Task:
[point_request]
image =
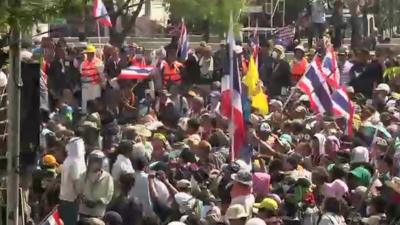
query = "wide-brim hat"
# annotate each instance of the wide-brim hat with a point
(141, 130)
(243, 177)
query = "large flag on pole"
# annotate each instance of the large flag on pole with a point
(314, 84)
(342, 106)
(101, 14)
(237, 128)
(183, 41)
(259, 99)
(330, 68)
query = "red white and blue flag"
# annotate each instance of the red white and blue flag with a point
(101, 14)
(53, 218)
(237, 126)
(330, 68)
(343, 107)
(183, 42)
(136, 72)
(255, 44)
(314, 84)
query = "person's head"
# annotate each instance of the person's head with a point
(267, 208)
(332, 205)
(193, 126)
(159, 144)
(236, 214)
(263, 131)
(197, 104)
(115, 54)
(292, 162)
(95, 161)
(278, 52)
(140, 163)
(203, 150)
(151, 219)
(359, 176)
(112, 218)
(126, 181)
(384, 163)
(376, 205)
(362, 55)
(299, 52)
(367, 111)
(319, 176)
(90, 52)
(338, 172)
(304, 149)
(125, 148)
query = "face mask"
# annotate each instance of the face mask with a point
(274, 55)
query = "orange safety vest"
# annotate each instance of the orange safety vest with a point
(299, 68)
(89, 73)
(171, 73)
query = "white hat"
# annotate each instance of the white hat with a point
(176, 223)
(301, 48)
(236, 211)
(360, 154)
(255, 221)
(383, 87)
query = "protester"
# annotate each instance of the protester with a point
(161, 149)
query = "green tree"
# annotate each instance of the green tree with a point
(204, 16)
(126, 10)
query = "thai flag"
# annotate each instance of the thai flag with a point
(330, 68)
(237, 128)
(53, 218)
(136, 72)
(100, 13)
(255, 44)
(313, 83)
(183, 42)
(343, 107)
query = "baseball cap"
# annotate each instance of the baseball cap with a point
(268, 204)
(383, 87)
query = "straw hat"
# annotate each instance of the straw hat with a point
(141, 130)
(394, 184)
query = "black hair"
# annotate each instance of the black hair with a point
(387, 159)
(194, 124)
(332, 205)
(338, 172)
(151, 219)
(379, 204)
(140, 163)
(127, 181)
(125, 147)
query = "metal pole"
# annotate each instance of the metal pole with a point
(13, 115)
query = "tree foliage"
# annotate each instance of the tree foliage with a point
(35, 11)
(127, 11)
(202, 15)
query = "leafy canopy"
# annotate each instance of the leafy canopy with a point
(195, 12)
(35, 11)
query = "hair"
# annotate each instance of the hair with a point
(151, 219)
(387, 159)
(127, 181)
(140, 163)
(321, 174)
(332, 205)
(338, 172)
(379, 204)
(193, 124)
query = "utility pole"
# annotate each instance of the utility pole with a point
(13, 115)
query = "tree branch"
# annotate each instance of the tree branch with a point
(133, 18)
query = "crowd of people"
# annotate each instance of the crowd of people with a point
(156, 151)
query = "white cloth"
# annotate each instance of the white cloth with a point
(142, 192)
(89, 92)
(345, 73)
(72, 169)
(246, 200)
(122, 165)
(318, 11)
(332, 219)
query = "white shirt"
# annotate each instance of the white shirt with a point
(141, 191)
(122, 165)
(72, 169)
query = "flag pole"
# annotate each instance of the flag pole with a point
(98, 33)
